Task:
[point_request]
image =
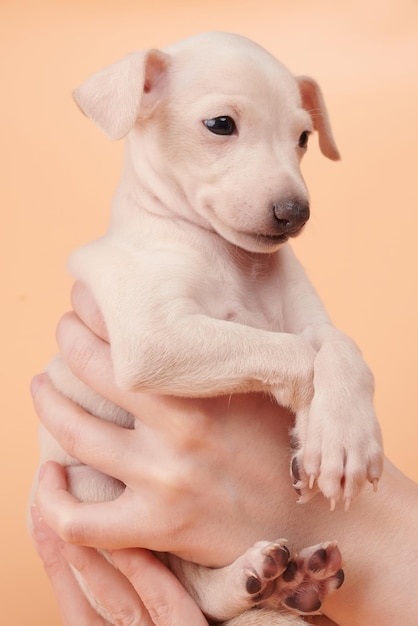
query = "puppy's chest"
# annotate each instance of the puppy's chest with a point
(250, 297)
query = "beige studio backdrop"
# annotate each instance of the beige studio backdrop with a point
(58, 174)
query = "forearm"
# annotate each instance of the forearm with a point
(378, 539)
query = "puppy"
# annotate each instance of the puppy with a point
(202, 294)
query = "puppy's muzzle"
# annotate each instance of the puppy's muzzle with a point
(290, 216)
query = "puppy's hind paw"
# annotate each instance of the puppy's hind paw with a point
(310, 577)
(266, 576)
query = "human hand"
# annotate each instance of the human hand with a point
(129, 597)
(176, 463)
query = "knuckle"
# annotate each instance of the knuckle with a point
(159, 609)
(127, 616)
(176, 484)
(193, 430)
(79, 356)
(52, 566)
(70, 530)
(69, 438)
(49, 554)
(67, 531)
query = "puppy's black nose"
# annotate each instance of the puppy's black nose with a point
(291, 214)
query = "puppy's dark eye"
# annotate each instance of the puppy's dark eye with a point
(223, 125)
(303, 139)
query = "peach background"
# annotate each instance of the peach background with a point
(58, 175)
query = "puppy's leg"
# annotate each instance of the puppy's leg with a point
(228, 591)
(337, 441)
(264, 577)
(166, 341)
(179, 349)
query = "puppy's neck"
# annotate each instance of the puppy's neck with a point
(145, 188)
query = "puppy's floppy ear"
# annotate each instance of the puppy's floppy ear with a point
(313, 102)
(113, 96)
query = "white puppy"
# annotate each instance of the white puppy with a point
(202, 295)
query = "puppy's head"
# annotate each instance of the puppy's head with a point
(220, 124)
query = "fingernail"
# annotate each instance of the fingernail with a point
(40, 529)
(36, 383)
(36, 517)
(41, 472)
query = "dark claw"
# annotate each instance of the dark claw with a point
(295, 470)
(285, 548)
(340, 578)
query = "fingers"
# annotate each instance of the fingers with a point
(74, 607)
(89, 358)
(93, 441)
(139, 590)
(128, 455)
(167, 601)
(87, 355)
(92, 524)
(98, 524)
(110, 588)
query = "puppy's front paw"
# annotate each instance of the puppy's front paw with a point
(336, 449)
(337, 441)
